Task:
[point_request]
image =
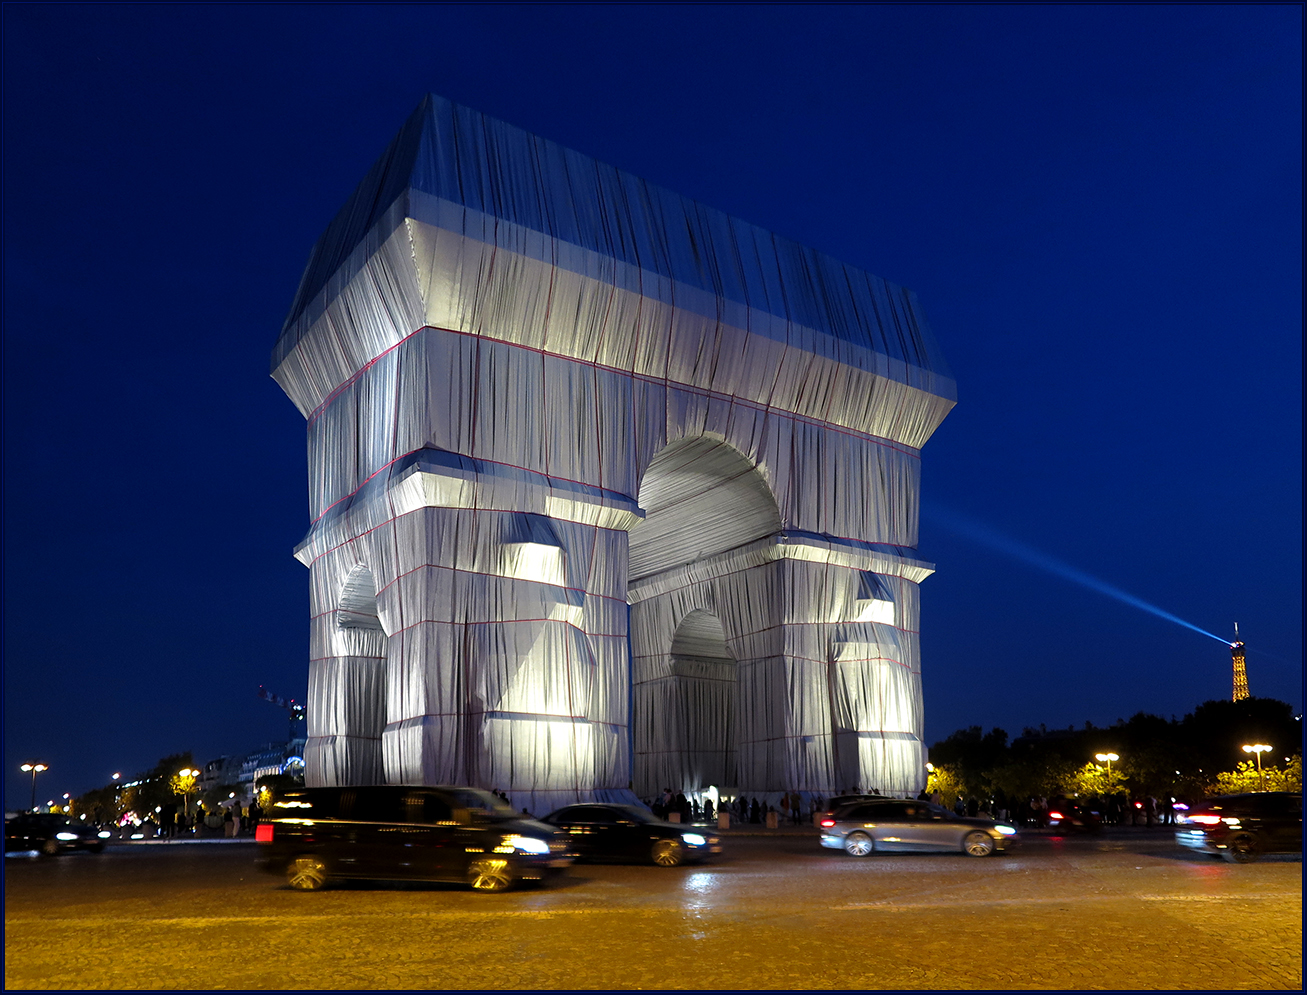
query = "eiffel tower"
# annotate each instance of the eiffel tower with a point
(1240, 669)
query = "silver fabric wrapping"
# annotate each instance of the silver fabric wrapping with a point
(609, 491)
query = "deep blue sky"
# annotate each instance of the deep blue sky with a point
(1099, 207)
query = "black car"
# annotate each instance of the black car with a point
(401, 832)
(630, 833)
(52, 834)
(1070, 815)
(1241, 828)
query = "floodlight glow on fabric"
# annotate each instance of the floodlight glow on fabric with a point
(607, 489)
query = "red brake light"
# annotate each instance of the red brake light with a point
(1056, 815)
(263, 832)
(1206, 820)
(827, 823)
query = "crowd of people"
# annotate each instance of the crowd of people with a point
(231, 821)
(791, 808)
(1118, 809)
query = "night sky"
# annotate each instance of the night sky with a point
(1099, 208)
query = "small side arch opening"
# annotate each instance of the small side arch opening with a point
(358, 601)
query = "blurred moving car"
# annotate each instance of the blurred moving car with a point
(52, 834)
(1071, 816)
(1240, 828)
(398, 832)
(890, 825)
(630, 833)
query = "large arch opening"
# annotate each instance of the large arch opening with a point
(702, 498)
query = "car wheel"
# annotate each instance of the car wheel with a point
(490, 874)
(1242, 849)
(307, 874)
(859, 844)
(50, 848)
(978, 844)
(668, 853)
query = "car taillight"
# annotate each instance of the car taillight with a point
(827, 823)
(1056, 815)
(263, 832)
(1206, 820)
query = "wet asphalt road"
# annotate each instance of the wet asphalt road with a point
(1129, 910)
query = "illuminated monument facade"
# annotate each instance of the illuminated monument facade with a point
(609, 490)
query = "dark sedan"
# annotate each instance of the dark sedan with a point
(890, 825)
(630, 833)
(1240, 828)
(52, 834)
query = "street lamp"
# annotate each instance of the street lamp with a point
(1259, 749)
(35, 769)
(187, 784)
(1108, 758)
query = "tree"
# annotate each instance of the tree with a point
(1244, 777)
(1215, 732)
(1096, 780)
(945, 779)
(968, 754)
(101, 804)
(1034, 775)
(156, 788)
(271, 786)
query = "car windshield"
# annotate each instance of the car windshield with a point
(49, 820)
(482, 804)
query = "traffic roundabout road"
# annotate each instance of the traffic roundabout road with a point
(1126, 910)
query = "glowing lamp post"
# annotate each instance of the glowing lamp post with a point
(1106, 758)
(34, 769)
(1259, 749)
(186, 784)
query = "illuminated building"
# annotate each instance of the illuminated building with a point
(608, 488)
(1240, 672)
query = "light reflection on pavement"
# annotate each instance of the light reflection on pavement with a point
(778, 912)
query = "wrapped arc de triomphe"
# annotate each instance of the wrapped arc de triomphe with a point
(610, 491)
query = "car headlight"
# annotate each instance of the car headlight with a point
(527, 844)
(1005, 830)
(694, 839)
(104, 834)
(65, 836)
